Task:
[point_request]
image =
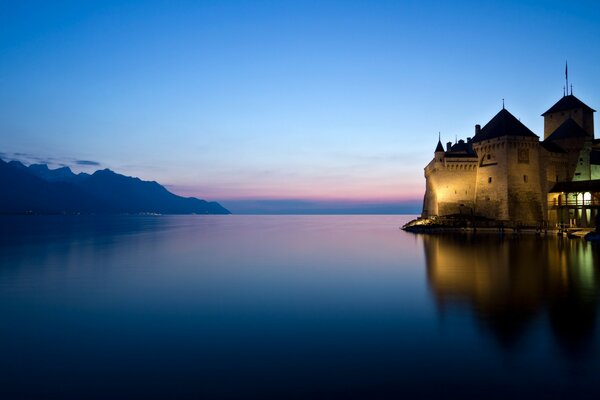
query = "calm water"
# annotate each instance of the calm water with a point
(283, 307)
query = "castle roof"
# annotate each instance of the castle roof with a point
(576, 186)
(503, 124)
(461, 149)
(552, 147)
(568, 102)
(568, 130)
(439, 146)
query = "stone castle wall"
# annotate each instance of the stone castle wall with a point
(511, 176)
(506, 182)
(450, 187)
(491, 200)
(583, 118)
(525, 181)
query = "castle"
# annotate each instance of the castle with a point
(506, 174)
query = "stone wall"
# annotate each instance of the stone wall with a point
(582, 163)
(595, 171)
(491, 181)
(525, 181)
(556, 167)
(573, 146)
(585, 119)
(450, 187)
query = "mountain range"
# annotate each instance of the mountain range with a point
(39, 189)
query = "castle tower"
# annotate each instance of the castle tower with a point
(569, 107)
(505, 174)
(570, 124)
(509, 177)
(450, 180)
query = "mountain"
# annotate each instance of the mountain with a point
(63, 174)
(132, 195)
(22, 191)
(38, 189)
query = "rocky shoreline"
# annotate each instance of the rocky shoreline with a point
(470, 225)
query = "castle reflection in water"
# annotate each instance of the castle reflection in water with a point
(510, 283)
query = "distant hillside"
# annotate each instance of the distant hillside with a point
(63, 174)
(38, 189)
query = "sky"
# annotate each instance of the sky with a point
(281, 106)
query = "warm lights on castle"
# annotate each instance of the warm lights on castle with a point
(506, 173)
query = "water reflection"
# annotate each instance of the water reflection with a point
(230, 307)
(510, 283)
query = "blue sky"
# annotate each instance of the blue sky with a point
(311, 102)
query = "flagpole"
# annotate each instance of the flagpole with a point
(567, 75)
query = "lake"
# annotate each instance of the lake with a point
(315, 307)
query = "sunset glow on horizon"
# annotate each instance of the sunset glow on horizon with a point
(259, 101)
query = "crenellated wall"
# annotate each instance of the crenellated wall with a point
(505, 182)
(450, 186)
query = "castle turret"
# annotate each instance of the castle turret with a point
(450, 180)
(567, 107)
(439, 148)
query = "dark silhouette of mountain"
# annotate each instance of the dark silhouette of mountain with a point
(132, 195)
(39, 189)
(63, 174)
(24, 192)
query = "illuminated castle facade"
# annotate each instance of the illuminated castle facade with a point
(505, 173)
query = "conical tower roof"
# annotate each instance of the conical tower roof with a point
(439, 146)
(568, 102)
(503, 124)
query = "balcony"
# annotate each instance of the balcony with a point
(580, 203)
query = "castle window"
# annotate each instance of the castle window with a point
(490, 179)
(523, 156)
(525, 178)
(489, 156)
